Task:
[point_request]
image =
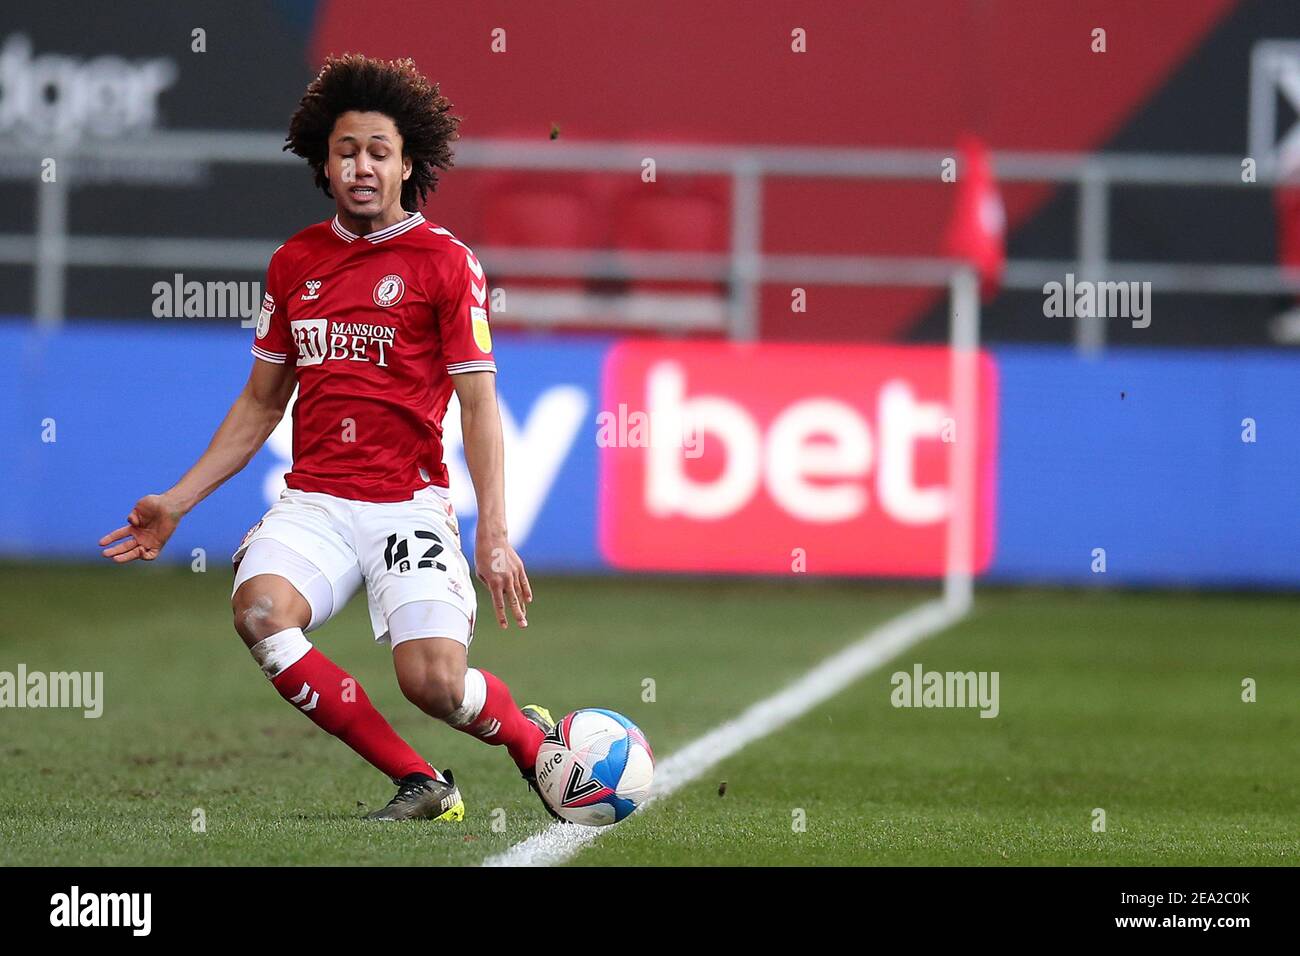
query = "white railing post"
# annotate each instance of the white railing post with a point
(746, 247)
(1094, 227)
(51, 253)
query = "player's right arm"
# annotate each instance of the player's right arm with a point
(247, 425)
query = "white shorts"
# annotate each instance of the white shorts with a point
(404, 551)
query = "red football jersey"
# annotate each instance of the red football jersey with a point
(376, 326)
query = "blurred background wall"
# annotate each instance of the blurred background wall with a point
(798, 199)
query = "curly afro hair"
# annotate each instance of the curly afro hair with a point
(392, 87)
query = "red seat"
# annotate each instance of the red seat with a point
(533, 219)
(650, 218)
(540, 220)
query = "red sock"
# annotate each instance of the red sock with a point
(501, 723)
(337, 704)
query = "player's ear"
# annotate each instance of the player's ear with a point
(406, 168)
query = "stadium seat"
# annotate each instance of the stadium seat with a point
(694, 220)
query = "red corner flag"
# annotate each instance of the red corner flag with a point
(977, 230)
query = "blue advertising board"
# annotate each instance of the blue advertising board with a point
(1182, 465)
(1179, 466)
(99, 414)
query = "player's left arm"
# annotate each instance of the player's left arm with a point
(497, 564)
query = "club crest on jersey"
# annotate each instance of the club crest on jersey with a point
(264, 317)
(313, 290)
(389, 290)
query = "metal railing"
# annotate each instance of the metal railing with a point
(743, 269)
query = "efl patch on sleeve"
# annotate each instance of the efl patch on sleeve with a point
(482, 334)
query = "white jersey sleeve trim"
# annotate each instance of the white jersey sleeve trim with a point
(458, 368)
(275, 358)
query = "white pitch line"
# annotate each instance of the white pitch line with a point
(560, 842)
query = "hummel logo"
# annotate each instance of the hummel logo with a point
(302, 695)
(313, 290)
(490, 728)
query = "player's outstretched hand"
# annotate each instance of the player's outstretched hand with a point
(148, 526)
(503, 572)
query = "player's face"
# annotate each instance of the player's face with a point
(366, 168)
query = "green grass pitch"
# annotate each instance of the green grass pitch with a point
(1128, 702)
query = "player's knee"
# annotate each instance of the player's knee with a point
(436, 688)
(259, 613)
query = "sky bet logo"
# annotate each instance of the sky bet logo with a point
(843, 452)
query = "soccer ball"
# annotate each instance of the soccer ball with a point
(595, 767)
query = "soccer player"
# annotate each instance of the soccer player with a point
(376, 315)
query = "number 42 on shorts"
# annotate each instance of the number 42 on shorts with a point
(397, 553)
